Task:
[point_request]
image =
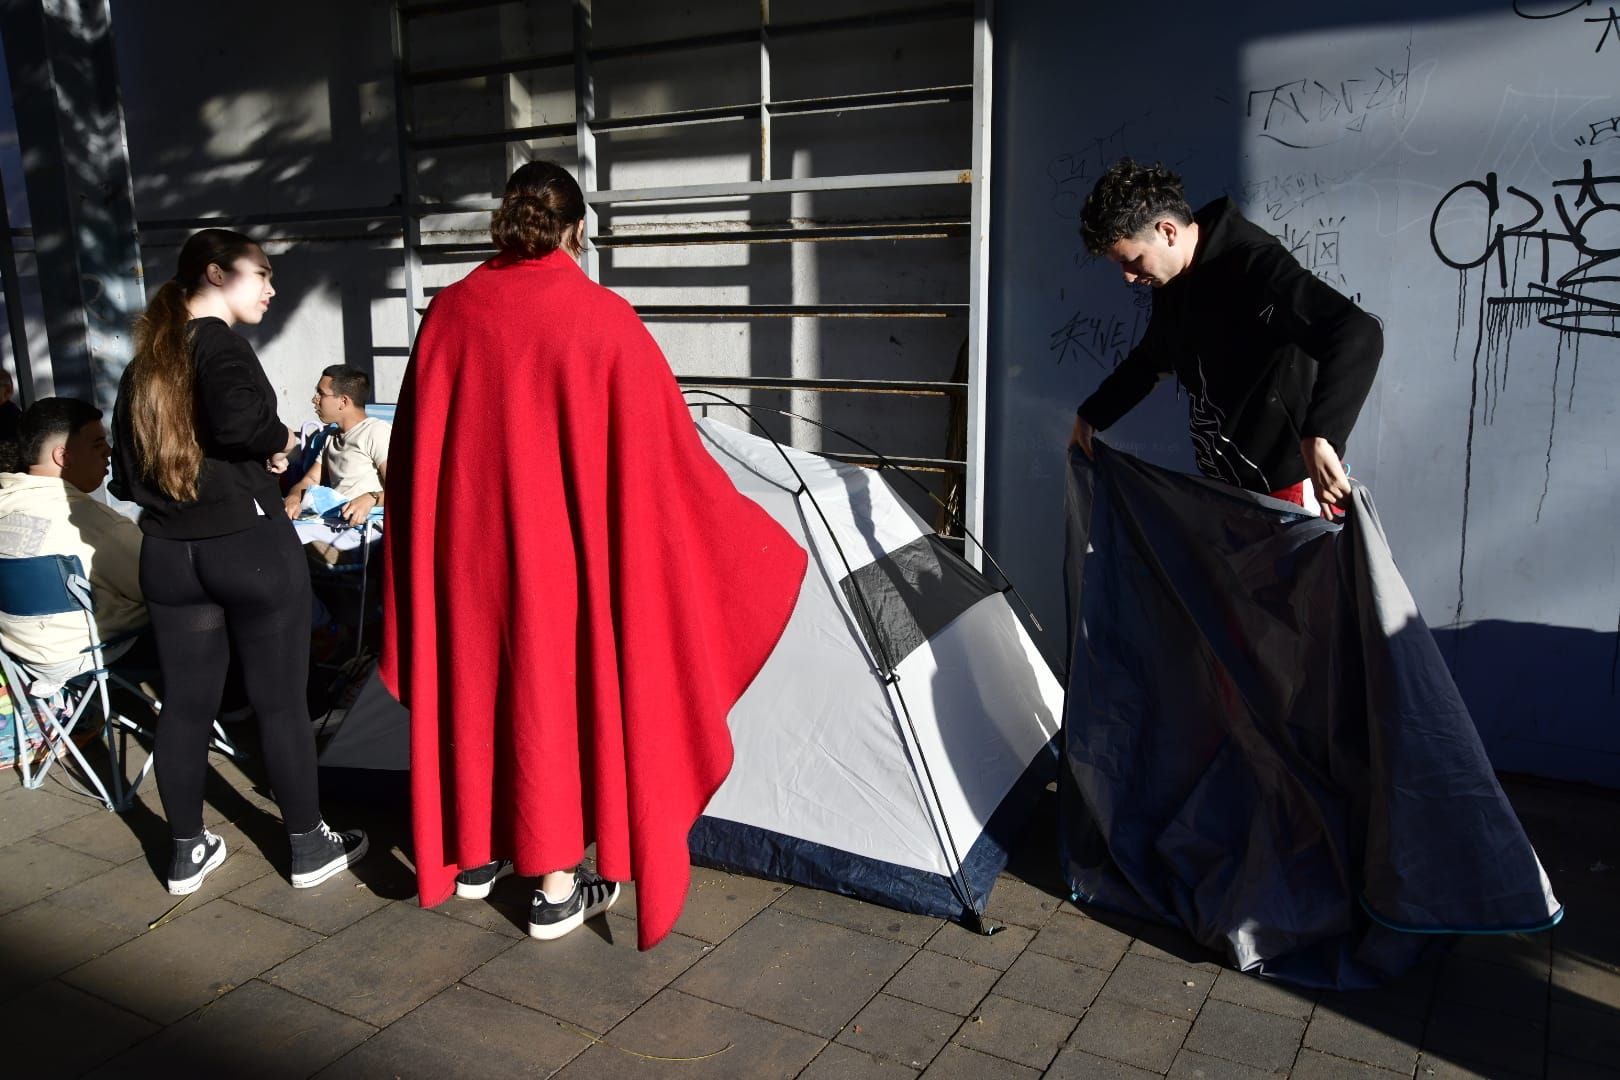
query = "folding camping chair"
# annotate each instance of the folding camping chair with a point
(57, 585)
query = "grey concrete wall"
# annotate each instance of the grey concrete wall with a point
(232, 114)
(1489, 442)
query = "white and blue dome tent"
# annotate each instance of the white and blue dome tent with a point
(896, 741)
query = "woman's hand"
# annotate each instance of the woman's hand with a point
(276, 463)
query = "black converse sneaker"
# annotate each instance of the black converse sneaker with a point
(320, 853)
(592, 895)
(194, 860)
(475, 884)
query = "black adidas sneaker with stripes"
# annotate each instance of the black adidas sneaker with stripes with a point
(592, 896)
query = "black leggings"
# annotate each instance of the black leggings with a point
(247, 593)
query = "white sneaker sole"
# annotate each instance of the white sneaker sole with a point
(478, 892)
(187, 886)
(311, 878)
(553, 931)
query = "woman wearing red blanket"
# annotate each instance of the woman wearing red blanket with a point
(576, 593)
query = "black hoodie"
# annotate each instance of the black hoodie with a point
(1268, 354)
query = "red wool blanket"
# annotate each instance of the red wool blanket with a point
(576, 594)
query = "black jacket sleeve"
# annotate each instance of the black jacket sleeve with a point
(1345, 342)
(1129, 383)
(236, 408)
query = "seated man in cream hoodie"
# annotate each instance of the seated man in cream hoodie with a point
(46, 509)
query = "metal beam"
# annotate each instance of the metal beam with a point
(935, 178)
(725, 312)
(584, 135)
(485, 138)
(784, 234)
(713, 114)
(410, 223)
(764, 114)
(460, 251)
(539, 61)
(296, 217)
(978, 281)
(915, 464)
(882, 99)
(908, 387)
(676, 118)
(70, 124)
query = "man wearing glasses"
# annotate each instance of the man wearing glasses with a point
(354, 460)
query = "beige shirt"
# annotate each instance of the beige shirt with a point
(350, 459)
(44, 515)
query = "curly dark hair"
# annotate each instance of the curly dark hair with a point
(1128, 199)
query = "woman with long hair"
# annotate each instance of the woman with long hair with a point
(196, 444)
(575, 592)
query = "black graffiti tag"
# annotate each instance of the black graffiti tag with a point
(1103, 339)
(1515, 217)
(1610, 22)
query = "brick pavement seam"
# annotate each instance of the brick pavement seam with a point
(754, 1015)
(829, 922)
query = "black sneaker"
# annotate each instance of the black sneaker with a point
(320, 853)
(194, 860)
(591, 896)
(475, 884)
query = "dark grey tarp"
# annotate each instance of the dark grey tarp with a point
(1262, 742)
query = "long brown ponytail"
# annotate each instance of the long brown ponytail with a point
(162, 399)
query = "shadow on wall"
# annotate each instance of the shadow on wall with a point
(1546, 699)
(270, 118)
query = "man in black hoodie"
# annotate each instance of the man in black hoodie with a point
(1276, 364)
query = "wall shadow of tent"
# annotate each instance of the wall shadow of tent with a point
(896, 742)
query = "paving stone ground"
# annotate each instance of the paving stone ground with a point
(249, 978)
